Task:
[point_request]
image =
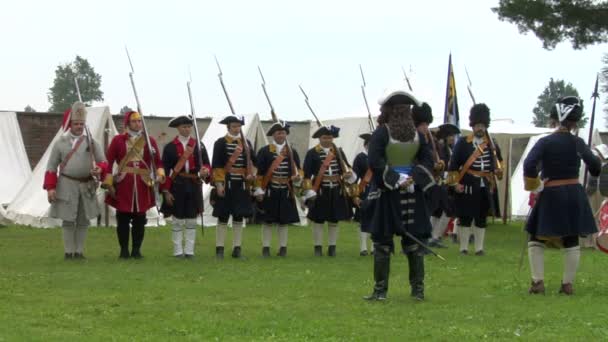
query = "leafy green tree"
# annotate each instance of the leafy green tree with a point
(29, 109)
(582, 22)
(63, 92)
(546, 100)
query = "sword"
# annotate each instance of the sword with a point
(421, 244)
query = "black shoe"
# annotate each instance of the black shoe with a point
(282, 252)
(265, 252)
(179, 256)
(219, 252)
(379, 296)
(68, 256)
(331, 251)
(464, 252)
(416, 275)
(480, 253)
(236, 252)
(436, 243)
(79, 256)
(363, 253)
(124, 253)
(189, 256)
(454, 238)
(318, 251)
(136, 254)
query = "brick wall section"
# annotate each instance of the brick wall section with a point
(38, 130)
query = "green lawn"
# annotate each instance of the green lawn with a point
(43, 297)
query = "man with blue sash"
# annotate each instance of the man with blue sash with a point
(401, 161)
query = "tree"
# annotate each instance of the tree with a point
(124, 110)
(29, 109)
(63, 92)
(547, 99)
(582, 22)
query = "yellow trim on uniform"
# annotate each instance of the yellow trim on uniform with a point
(109, 180)
(231, 140)
(452, 177)
(531, 183)
(219, 174)
(306, 184)
(353, 190)
(258, 181)
(272, 148)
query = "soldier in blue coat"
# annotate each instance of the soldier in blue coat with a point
(473, 170)
(402, 164)
(364, 174)
(562, 212)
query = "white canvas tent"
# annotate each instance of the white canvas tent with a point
(15, 164)
(3, 219)
(519, 197)
(30, 206)
(253, 132)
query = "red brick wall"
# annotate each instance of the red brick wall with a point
(38, 130)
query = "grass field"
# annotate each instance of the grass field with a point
(43, 297)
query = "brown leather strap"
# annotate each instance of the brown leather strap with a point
(478, 151)
(275, 164)
(365, 180)
(182, 161)
(71, 153)
(319, 177)
(238, 171)
(280, 180)
(235, 155)
(135, 149)
(332, 178)
(560, 182)
(78, 179)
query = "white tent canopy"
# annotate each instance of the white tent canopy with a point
(15, 164)
(30, 206)
(253, 132)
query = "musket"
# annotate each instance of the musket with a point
(246, 146)
(595, 96)
(369, 112)
(407, 80)
(294, 167)
(198, 144)
(151, 148)
(88, 131)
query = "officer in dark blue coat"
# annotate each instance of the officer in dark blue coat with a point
(562, 212)
(402, 164)
(473, 171)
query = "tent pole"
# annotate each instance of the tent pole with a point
(507, 183)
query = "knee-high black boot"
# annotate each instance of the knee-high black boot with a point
(137, 232)
(415, 261)
(122, 232)
(382, 264)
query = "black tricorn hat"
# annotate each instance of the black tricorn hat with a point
(278, 126)
(422, 114)
(233, 118)
(567, 108)
(480, 113)
(181, 120)
(446, 130)
(327, 130)
(365, 137)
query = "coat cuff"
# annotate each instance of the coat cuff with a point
(219, 174)
(258, 182)
(306, 184)
(452, 178)
(103, 165)
(50, 180)
(208, 178)
(531, 183)
(108, 180)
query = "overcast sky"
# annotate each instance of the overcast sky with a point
(318, 44)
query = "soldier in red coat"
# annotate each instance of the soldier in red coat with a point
(131, 187)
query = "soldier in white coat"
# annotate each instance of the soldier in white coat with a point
(76, 164)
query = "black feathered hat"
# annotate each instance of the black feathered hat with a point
(422, 114)
(327, 130)
(278, 126)
(446, 130)
(365, 137)
(181, 120)
(567, 108)
(233, 118)
(480, 113)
